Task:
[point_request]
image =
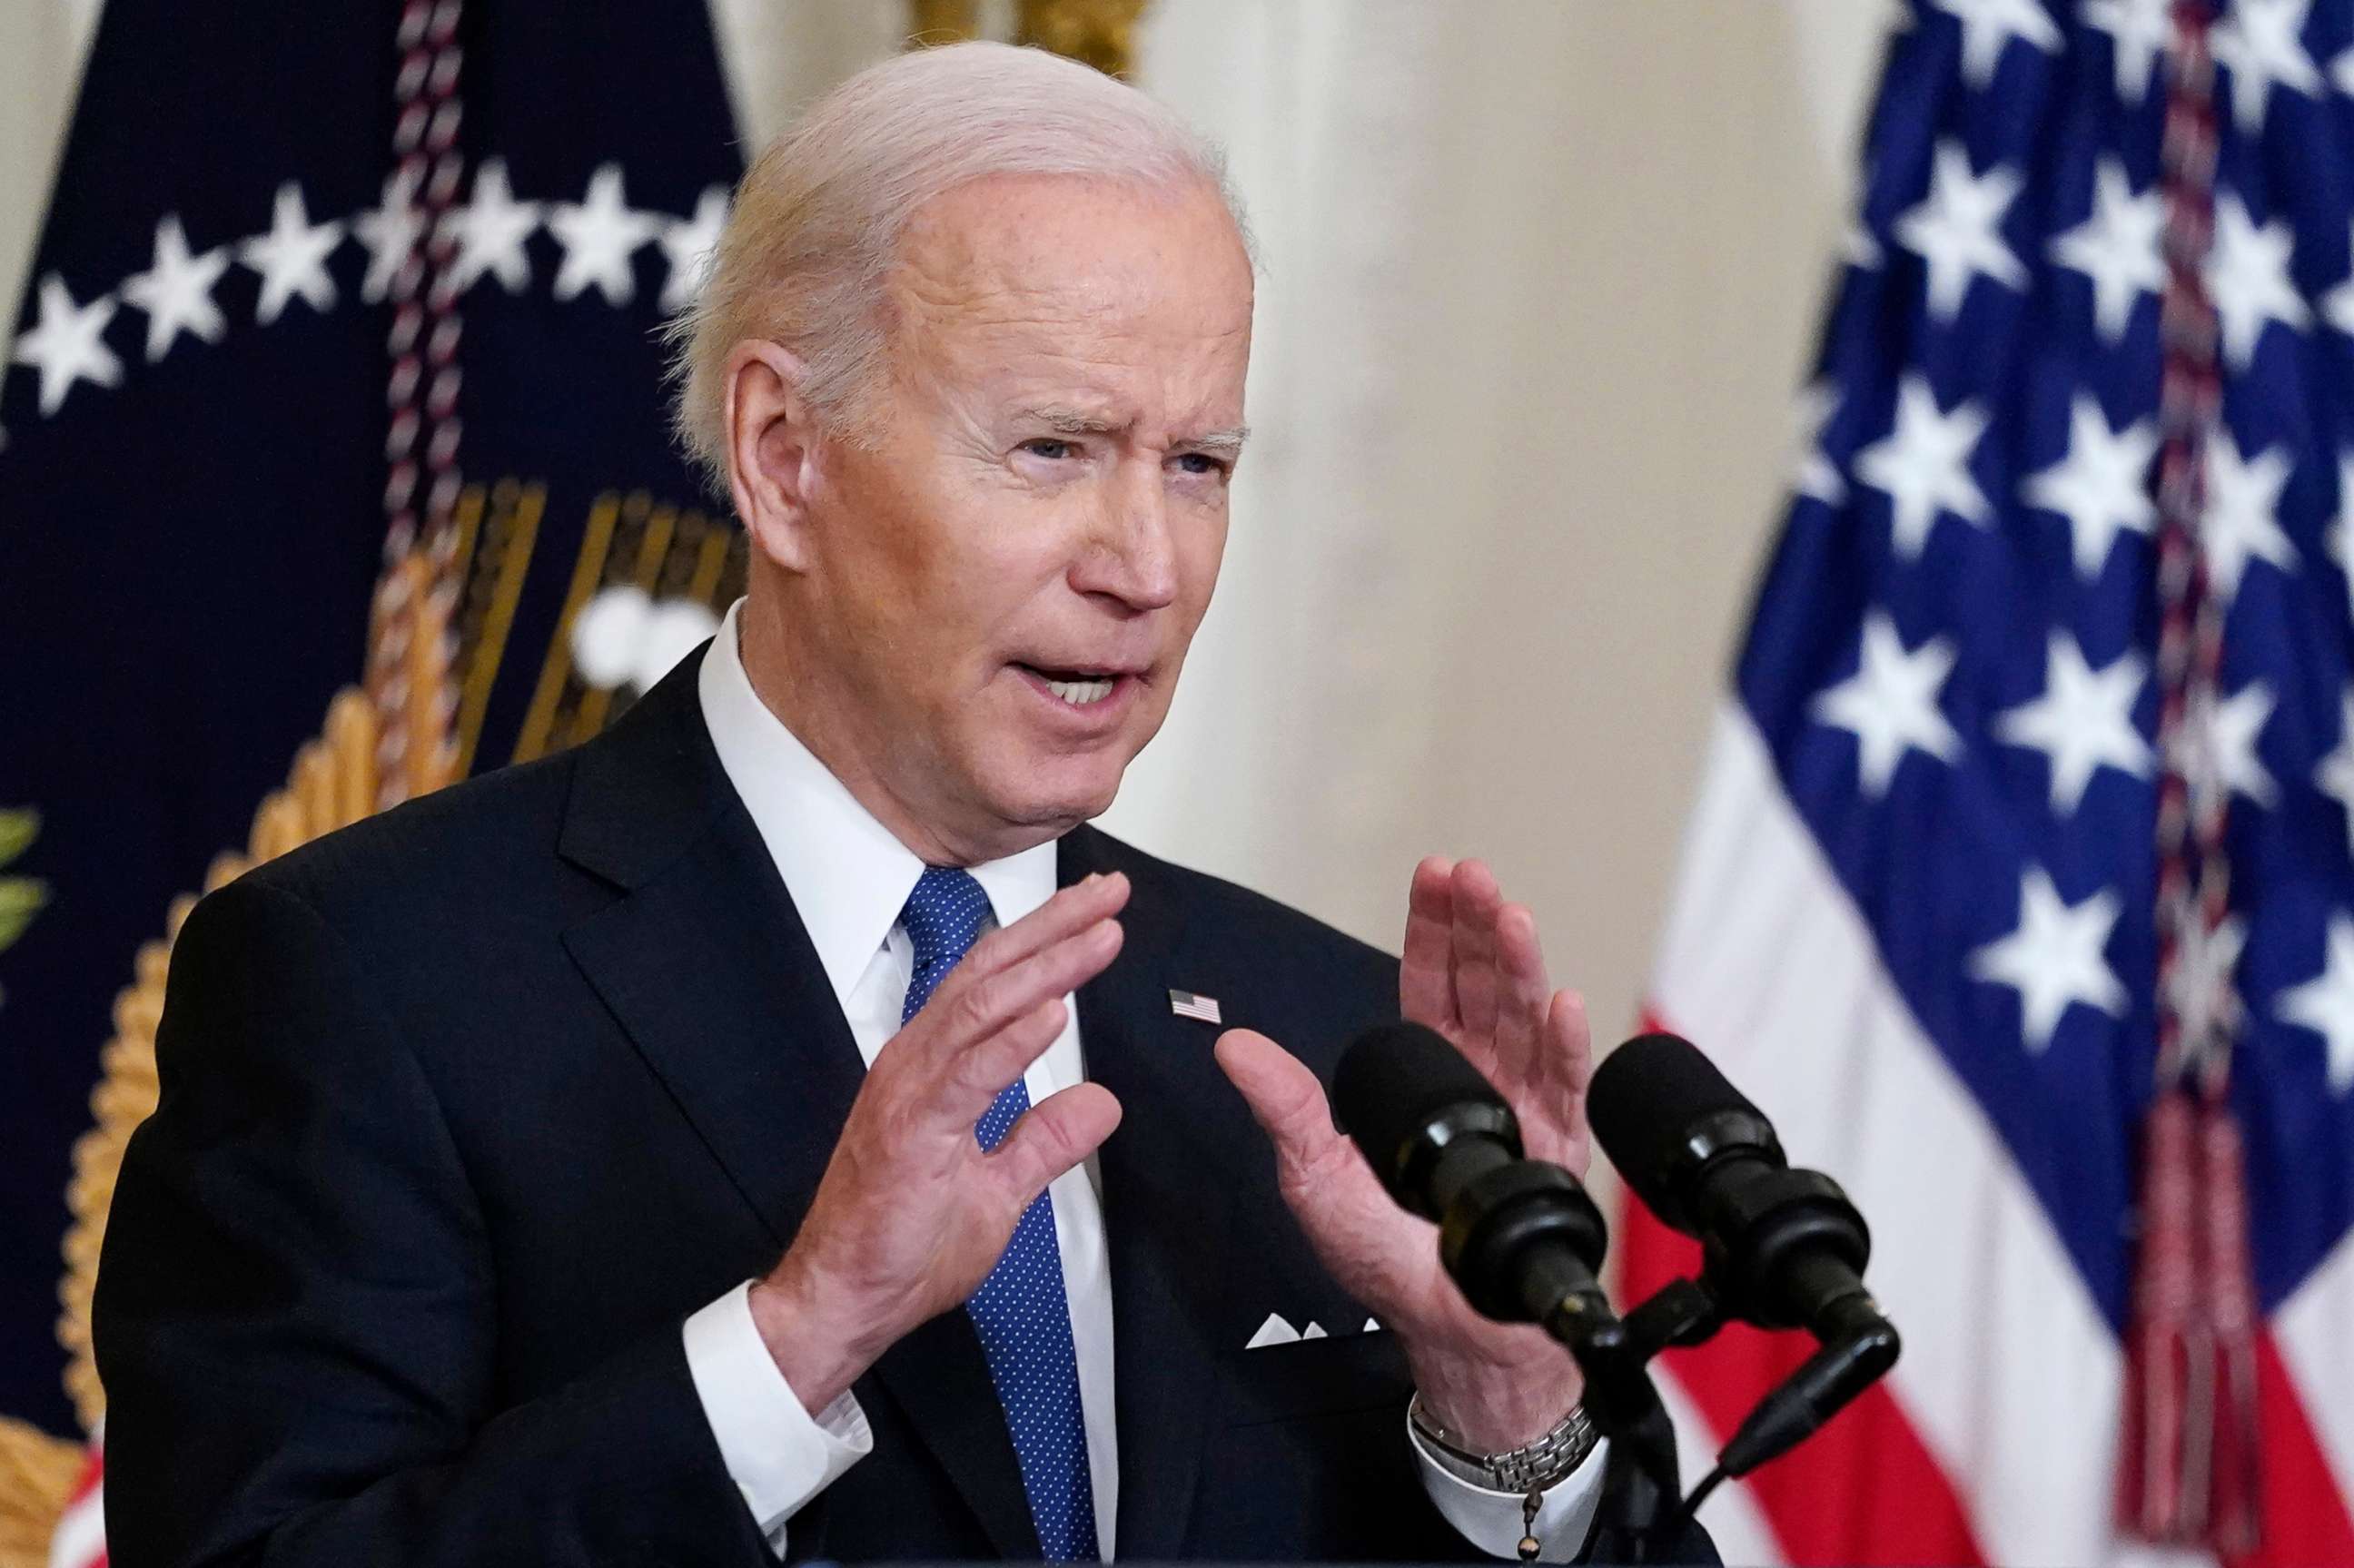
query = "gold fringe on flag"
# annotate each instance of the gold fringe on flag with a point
(37, 1473)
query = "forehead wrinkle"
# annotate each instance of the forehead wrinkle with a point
(976, 319)
(961, 281)
(1062, 359)
(956, 291)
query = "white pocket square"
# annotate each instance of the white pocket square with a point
(1277, 1331)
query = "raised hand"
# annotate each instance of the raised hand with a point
(911, 1215)
(1472, 971)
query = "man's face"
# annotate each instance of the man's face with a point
(1010, 571)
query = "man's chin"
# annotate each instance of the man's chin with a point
(1057, 797)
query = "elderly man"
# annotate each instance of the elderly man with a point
(781, 1125)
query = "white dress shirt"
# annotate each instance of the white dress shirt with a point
(848, 878)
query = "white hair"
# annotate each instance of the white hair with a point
(816, 219)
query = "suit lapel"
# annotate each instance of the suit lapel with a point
(707, 968)
(1168, 1207)
(712, 977)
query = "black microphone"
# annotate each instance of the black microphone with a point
(1781, 1247)
(1519, 1236)
(1785, 1248)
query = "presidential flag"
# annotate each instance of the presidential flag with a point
(2018, 892)
(334, 465)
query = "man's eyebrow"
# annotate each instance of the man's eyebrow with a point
(1070, 421)
(1227, 442)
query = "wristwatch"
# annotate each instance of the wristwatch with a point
(1531, 1467)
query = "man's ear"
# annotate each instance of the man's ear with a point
(772, 450)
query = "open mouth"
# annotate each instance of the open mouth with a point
(1079, 688)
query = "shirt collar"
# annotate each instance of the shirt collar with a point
(846, 874)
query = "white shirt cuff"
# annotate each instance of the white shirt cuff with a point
(1491, 1520)
(778, 1457)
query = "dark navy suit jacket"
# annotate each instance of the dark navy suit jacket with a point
(465, 1108)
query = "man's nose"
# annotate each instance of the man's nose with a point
(1132, 557)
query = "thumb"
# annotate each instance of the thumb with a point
(1053, 1136)
(1283, 1094)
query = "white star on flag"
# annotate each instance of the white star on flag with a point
(1858, 248)
(2258, 44)
(2334, 774)
(2243, 500)
(69, 344)
(2083, 721)
(2325, 1004)
(2099, 485)
(390, 230)
(1988, 25)
(2247, 274)
(1816, 475)
(2341, 72)
(600, 235)
(1891, 704)
(2337, 305)
(687, 244)
(1953, 230)
(292, 257)
(2340, 536)
(490, 230)
(1922, 465)
(2235, 725)
(2140, 32)
(2116, 247)
(2053, 957)
(177, 291)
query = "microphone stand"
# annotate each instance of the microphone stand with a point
(1642, 1491)
(1642, 1510)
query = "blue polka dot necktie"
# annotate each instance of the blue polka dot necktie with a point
(1021, 1311)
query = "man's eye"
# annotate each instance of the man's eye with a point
(1051, 448)
(1199, 463)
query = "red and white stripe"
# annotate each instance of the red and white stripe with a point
(1994, 1439)
(80, 1540)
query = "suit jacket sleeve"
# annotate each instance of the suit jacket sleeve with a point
(296, 1319)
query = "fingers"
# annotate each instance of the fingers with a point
(1425, 973)
(1473, 947)
(980, 1071)
(1070, 911)
(1284, 1096)
(992, 1027)
(1569, 1041)
(1562, 1070)
(1474, 968)
(1053, 1135)
(1524, 994)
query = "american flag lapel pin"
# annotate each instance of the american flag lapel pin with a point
(1204, 1009)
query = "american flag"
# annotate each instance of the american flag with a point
(1185, 1004)
(2019, 890)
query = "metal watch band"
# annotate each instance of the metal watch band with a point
(1532, 1467)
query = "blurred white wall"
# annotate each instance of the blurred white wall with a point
(1539, 278)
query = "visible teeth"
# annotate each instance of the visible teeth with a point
(1079, 693)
